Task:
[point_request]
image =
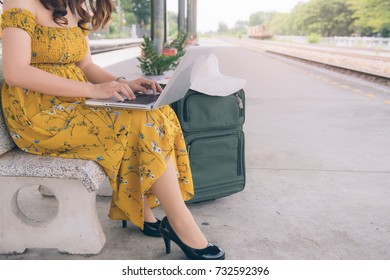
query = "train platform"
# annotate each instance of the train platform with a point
(317, 163)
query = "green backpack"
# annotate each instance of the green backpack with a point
(212, 127)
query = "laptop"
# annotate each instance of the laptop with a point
(175, 89)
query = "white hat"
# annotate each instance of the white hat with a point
(210, 81)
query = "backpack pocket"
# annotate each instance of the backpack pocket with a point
(217, 164)
(198, 111)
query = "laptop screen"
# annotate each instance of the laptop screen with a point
(180, 81)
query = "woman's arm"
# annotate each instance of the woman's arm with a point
(16, 56)
(17, 71)
(95, 74)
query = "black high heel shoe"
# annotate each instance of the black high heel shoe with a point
(211, 252)
(150, 229)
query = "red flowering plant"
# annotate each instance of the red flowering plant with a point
(154, 64)
(169, 51)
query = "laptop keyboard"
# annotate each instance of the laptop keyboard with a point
(142, 99)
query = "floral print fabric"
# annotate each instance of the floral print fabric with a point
(133, 146)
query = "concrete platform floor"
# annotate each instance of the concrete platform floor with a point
(318, 171)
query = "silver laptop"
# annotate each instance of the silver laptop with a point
(175, 89)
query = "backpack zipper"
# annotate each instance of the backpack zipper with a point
(240, 103)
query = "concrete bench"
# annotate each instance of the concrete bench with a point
(75, 229)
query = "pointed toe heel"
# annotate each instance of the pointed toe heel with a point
(210, 252)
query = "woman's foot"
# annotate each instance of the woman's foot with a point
(152, 229)
(187, 230)
(208, 252)
(167, 189)
(151, 223)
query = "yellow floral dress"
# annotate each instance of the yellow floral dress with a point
(133, 146)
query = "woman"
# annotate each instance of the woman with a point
(49, 72)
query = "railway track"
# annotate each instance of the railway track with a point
(342, 51)
(365, 66)
(373, 77)
(108, 48)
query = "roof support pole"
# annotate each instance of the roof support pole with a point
(191, 18)
(181, 16)
(158, 24)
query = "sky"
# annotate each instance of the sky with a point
(212, 12)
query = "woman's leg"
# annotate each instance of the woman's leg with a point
(148, 213)
(167, 190)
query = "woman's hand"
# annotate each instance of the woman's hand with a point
(143, 85)
(123, 88)
(112, 89)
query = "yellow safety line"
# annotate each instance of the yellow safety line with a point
(357, 90)
(370, 95)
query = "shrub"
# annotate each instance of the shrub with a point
(313, 38)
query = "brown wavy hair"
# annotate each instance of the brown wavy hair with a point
(100, 9)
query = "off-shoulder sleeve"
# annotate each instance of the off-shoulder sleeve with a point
(84, 28)
(19, 18)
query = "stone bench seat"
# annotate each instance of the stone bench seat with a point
(75, 229)
(16, 163)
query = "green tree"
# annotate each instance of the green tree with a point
(223, 28)
(372, 17)
(240, 28)
(142, 10)
(325, 17)
(281, 24)
(127, 7)
(114, 27)
(172, 24)
(130, 19)
(332, 18)
(260, 18)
